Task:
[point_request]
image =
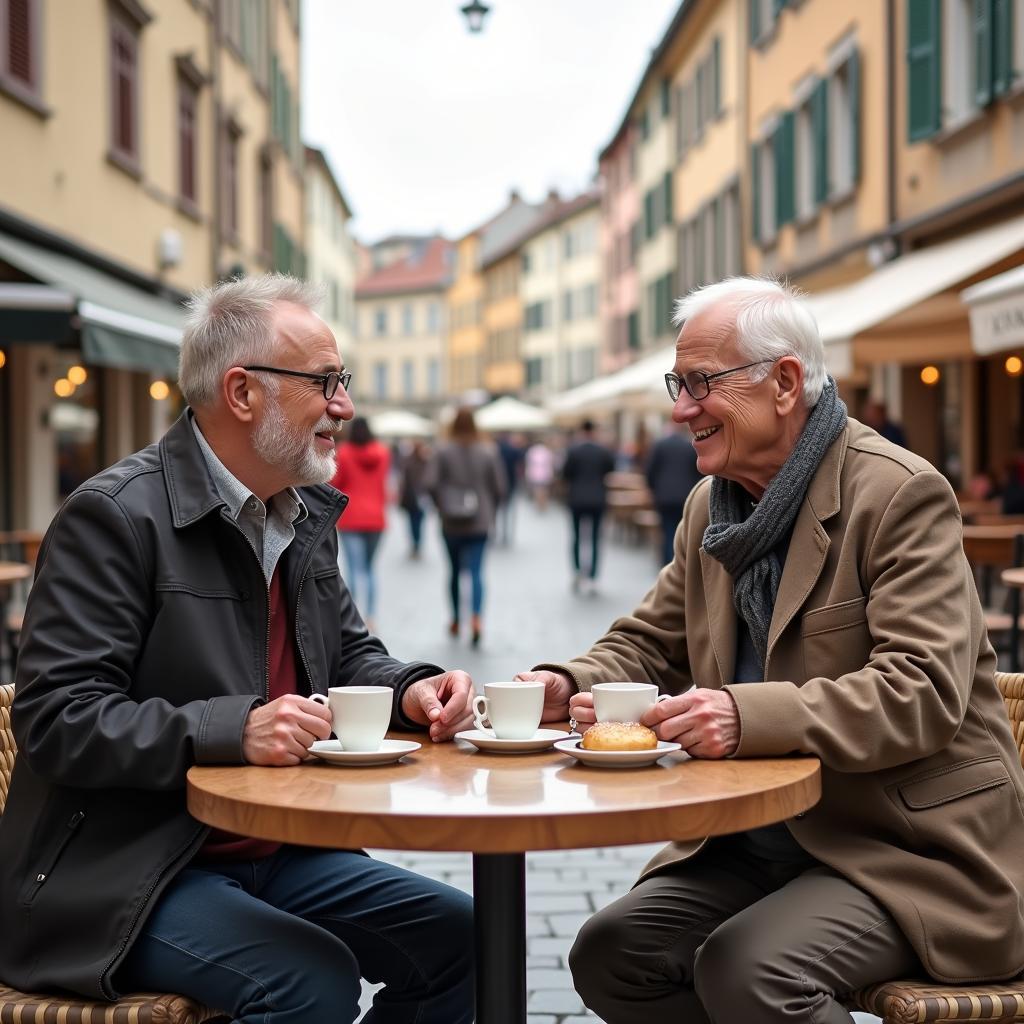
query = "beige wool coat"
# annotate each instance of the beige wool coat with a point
(879, 664)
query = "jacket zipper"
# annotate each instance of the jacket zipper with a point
(266, 633)
(74, 821)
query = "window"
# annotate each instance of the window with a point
(433, 318)
(534, 371)
(762, 17)
(841, 107)
(588, 295)
(633, 330)
(804, 160)
(380, 322)
(188, 98)
(434, 376)
(408, 378)
(20, 49)
(666, 97)
(380, 380)
(567, 307)
(124, 114)
(266, 202)
(764, 181)
(959, 67)
(407, 318)
(229, 207)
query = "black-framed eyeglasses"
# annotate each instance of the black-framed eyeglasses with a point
(328, 381)
(698, 383)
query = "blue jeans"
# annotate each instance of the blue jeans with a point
(415, 514)
(592, 517)
(285, 940)
(466, 554)
(360, 546)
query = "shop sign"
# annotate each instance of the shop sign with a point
(998, 325)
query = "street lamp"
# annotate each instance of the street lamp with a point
(475, 12)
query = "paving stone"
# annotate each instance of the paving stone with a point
(558, 946)
(541, 963)
(545, 903)
(547, 979)
(567, 924)
(536, 1018)
(588, 1019)
(554, 1001)
(537, 924)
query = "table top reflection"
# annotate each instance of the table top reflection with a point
(12, 572)
(453, 797)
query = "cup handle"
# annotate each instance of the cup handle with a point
(320, 698)
(480, 714)
(661, 697)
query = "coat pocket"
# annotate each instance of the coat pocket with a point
(942, 785)
(834, 616)
(836, 639)
(47, 863)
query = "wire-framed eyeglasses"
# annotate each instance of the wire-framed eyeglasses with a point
(698, 383)
(329, 382)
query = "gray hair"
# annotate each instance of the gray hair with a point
(771, 322)
(229, 324)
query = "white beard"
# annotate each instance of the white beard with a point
(283, 446)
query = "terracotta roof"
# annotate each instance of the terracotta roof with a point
(428, 267)
(553, 211)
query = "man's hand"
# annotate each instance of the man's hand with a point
(444, 703)
(282, 731)
(581, 708)
(558, 689)
(705, 722)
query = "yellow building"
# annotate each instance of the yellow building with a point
(466, 335)
(139, 162)
(503, 325)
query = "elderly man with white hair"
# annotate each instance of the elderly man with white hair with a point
(187, 604)
(819, 602)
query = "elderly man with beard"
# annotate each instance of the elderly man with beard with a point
(818, 602)
(187, 603)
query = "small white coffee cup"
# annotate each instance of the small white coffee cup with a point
(360, 715)
(511, 711)
(623, 702)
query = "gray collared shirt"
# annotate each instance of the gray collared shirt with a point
(269, 532)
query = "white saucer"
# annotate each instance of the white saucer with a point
(390, 750)
(616, 758)
(540, 740)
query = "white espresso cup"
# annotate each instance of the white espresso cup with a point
(360, 715)
(623, 702)
(511, 711)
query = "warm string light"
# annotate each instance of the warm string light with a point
(159, 390)
(3, 358)
(1014, 366)
(77, 375)
(930, 376)
(63, 388)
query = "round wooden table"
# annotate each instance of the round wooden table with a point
(498, 806)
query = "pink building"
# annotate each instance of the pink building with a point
(620, 215)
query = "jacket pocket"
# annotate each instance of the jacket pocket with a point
(187, 588)
(834, 616)
(942, 785)
(49, 862)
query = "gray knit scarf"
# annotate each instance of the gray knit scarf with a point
(746, 545)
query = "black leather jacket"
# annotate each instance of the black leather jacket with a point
(145, 647)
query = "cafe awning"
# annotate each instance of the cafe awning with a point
(997, 312)
(121, 326)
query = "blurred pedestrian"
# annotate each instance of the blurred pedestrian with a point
(587, 463)
(539, 472)
(671, 475)
(512, 453)
(876, 416)
(362, 473)
(467, 483)
(412, 490)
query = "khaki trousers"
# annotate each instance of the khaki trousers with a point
(728, 938)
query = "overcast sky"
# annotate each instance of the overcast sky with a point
(428, 127)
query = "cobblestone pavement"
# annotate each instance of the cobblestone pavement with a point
(531, 614)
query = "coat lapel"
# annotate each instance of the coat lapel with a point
(721, 616)
(808, 548)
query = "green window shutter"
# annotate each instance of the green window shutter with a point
(755, 192)
(666, 97)
(819, 123)
(1002, 46)
(785, 196)
(853, 85)
(777, 6)
(716, 75)
(754, 8)
(649, 215)
(667, 185)
(924, 68)
(982, 51)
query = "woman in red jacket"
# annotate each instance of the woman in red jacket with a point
(362, 473)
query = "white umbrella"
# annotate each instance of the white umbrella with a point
(510, 414)
(400, 423)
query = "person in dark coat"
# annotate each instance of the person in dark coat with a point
(587, 463)
(186, 605)
(671, 474)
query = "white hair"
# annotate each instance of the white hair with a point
(229, 324)
(771, 321)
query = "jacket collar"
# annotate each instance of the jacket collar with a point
(809, 547)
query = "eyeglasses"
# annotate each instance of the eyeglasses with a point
(328, 381)
(698, 383)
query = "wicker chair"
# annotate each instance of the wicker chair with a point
(921, 1001)
(26, 1008)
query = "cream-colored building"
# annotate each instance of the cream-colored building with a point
(331, 252)
(559, 283)
(402, 325)
(149, 147)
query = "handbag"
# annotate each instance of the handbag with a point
(459, 503)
